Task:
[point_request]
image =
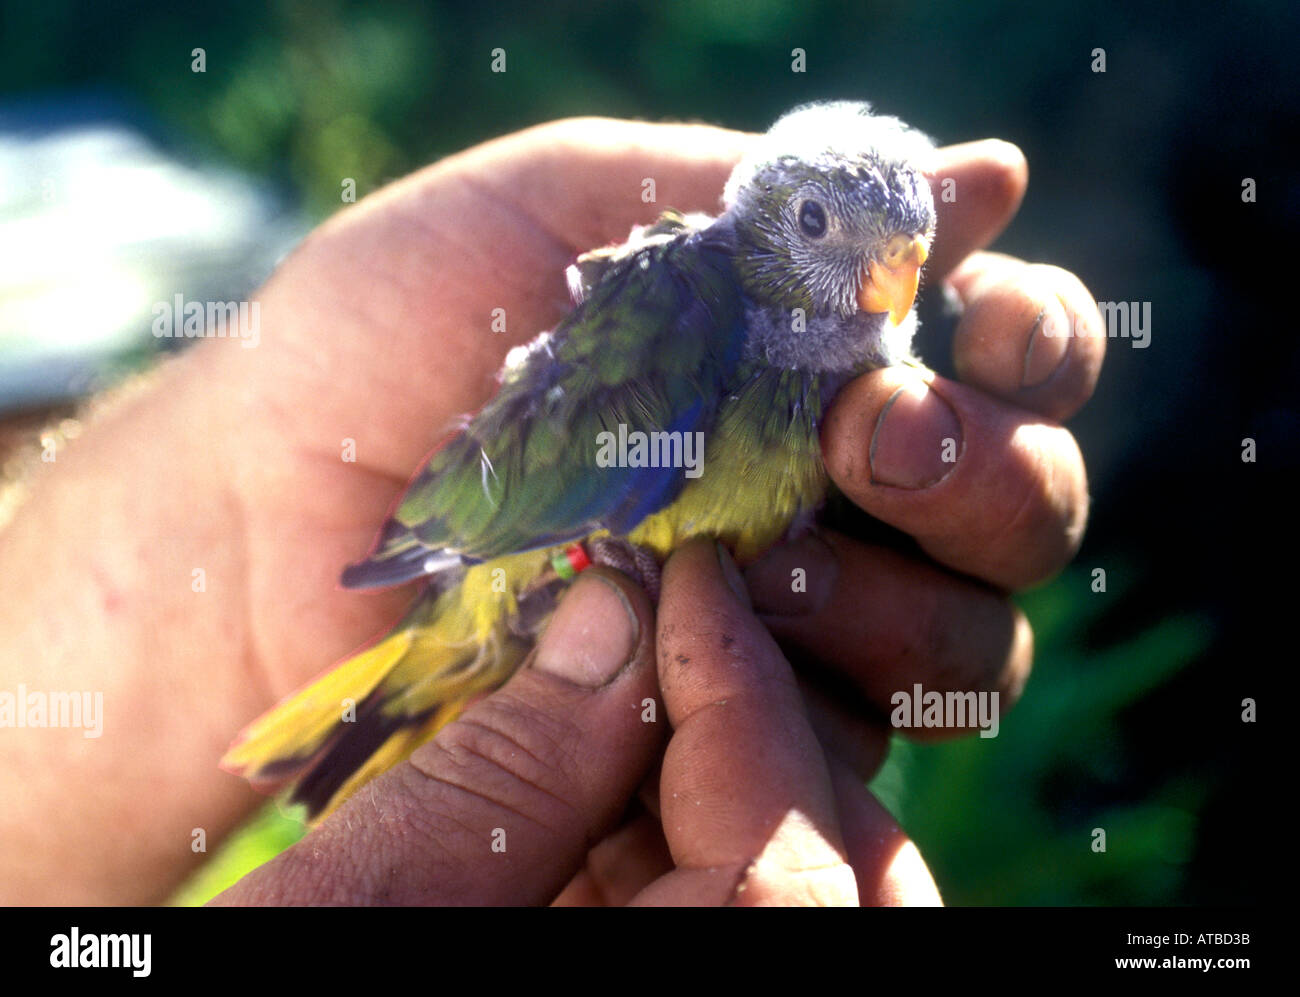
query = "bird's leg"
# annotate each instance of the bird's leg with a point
(536, 601)
(534, 605)
(638, 563)
(804, 522)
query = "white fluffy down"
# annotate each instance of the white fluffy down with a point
(838, 128)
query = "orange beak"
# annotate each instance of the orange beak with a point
(890, 286)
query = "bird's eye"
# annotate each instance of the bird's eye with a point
(812, 219)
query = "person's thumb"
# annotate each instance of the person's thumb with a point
(502, 806)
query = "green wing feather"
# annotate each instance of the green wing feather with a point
(657, 334)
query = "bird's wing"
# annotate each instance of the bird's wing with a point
(656, 335)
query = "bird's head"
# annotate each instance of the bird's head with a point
(834, 218)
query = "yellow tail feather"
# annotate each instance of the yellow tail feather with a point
(394, 751)
(378, 706)
(301, 725)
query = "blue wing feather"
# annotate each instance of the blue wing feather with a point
(661, 369)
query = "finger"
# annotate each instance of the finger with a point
(745, 793)
(550, 192)
(844, 729)
(587, 181)
(987, 489)
(853, 732)
(889, 870)
(977, 189)
(470, 254)
(621, 866)
(535, 198)
(1030, 334)
(501, 807)
(647, 793)
(886, 622)
(584, 179)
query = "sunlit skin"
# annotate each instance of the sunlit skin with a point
(372, 330)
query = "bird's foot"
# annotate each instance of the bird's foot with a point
(536, 601)
(638, 563)
(535, 604)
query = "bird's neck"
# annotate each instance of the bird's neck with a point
(783, 403)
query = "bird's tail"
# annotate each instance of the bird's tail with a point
(376, 707)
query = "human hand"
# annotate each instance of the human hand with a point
(377, 330)
(503, 805)
(1007, 512)
(386, 312)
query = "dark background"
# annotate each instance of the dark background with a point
(1132, 721)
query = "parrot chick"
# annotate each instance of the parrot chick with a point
(734, 331)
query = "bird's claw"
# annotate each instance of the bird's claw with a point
(638, 563)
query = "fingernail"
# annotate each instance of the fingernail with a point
(1049, 341)
(732, 574)
(592, 635)
(917, 439)
(794, 579)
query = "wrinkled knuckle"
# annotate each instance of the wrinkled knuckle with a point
(522, 741)
(510, 722)
(416, 816)
(513, 759)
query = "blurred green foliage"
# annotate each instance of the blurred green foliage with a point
(311, 93)
(261, 839)
(1011, 819)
